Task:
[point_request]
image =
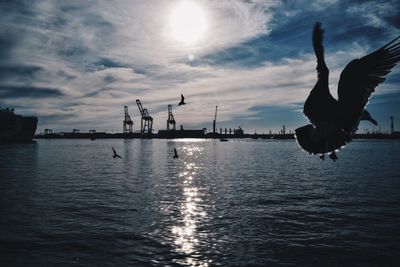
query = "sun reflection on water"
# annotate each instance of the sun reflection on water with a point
(186, 232)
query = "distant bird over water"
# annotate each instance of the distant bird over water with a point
(175, 154)
(333, 122)
(115, 154)
(182, 102)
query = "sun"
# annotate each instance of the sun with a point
(188, 23)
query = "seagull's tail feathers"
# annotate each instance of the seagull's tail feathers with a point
(317, 141)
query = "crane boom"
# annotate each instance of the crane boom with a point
(215, 119)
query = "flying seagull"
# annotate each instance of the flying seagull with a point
(175, 154)
(333, 122)
(182, 101)
(115, 154)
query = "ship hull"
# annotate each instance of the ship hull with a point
(16, 128)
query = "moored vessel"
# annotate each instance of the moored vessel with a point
(16, 128)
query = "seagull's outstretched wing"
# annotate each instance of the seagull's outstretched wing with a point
(359, 79)
(320, 98)
(115, 153)
(317, 39)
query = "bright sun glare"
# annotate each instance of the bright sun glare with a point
(188, 22)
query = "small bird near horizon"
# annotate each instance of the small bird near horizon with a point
(175, 154)
(333, 122)
(182, 102)
(115, 154)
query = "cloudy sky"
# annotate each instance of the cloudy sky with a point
(75, 64)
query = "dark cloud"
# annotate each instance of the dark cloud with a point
(109, 79)
(394, 20)
(28, 92)
(256, 52)
(104, 63)
(108, 63)
(290, 34)
(7, 42)
(288, 38)
(22, 7)
(19, 71)
(72, 50)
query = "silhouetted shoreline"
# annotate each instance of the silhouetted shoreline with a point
(194, 134)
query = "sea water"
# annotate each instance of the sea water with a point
(237, 203)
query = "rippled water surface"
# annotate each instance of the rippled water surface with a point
(236, 203)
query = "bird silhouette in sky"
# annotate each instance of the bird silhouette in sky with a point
(333, 122)
(175, 154)
(115, 154)
(182, 102)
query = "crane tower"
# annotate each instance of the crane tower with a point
(171, 119)
(127, 124)
(146, 126)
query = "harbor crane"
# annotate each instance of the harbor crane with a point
(127, 124)
(146, 125)
(215, 119)
(171, 119)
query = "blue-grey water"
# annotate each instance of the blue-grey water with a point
(236, 203)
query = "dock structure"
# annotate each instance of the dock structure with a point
(168, 134)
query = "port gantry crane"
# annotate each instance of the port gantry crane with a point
(127, 124)
(215, 119)
(171, 119)
(146, 125)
